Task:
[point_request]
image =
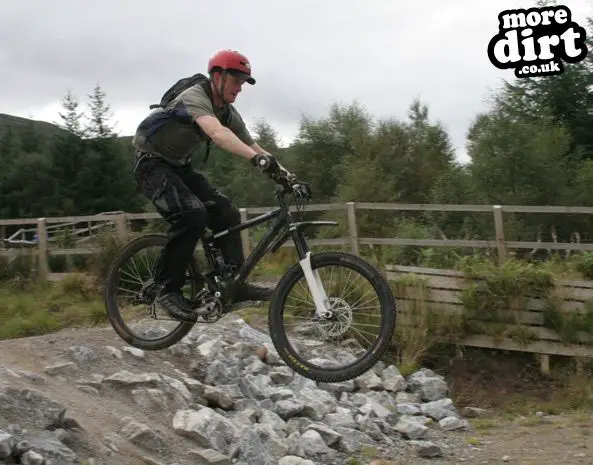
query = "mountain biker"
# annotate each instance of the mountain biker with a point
(164, 141)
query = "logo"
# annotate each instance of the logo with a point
(536, 41)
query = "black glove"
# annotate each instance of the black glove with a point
(265, 162)
(269, 165)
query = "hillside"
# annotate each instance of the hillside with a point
(44, 129)
(20, 124)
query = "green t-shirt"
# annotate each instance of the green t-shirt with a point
(174, 135)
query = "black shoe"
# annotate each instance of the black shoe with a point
(252, 292)
(177, 306)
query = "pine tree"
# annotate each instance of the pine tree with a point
(71, 118)
(99, 125)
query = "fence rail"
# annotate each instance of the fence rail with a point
(44, 245)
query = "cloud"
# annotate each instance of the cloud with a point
(306, 55)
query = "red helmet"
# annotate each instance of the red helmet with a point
(232, 61)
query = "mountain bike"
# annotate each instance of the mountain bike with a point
(211, 293)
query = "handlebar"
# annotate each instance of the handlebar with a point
(288, 181)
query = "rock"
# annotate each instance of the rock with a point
(329, 436)
(474, 412)
(115, 352)
(219, 397)
(261, 352)
(138, 353)
(18, 374)
(368, 381)
(428, 385)
(317, 402)
(294, 460)
(83, 354)
(314, 445)
(142, 436)
(271, 418)
(49, 446)
(211, 456)
(341, 417)
(439, 409)
(281, 375)
(16, 403)
(353, 440)
(63, 368)
(427, 449)
(289, 408)
(230, 399)
(7, 442)
(260, 445)
(32, 458)
(393, 381)
(410, 428)
(408, 409)
(207, 428)
(150, 389)
(453, 423)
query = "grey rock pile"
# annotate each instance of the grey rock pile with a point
(224, 396)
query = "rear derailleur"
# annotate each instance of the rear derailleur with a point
(207, 306)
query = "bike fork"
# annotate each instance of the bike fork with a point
(322, 304)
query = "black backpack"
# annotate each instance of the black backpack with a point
(183, 84)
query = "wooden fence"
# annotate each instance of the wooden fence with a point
(41, 228)
(446, 286)
(526, 328)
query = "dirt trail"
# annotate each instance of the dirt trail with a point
(98, 415)
(560, 439)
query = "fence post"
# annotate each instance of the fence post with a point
(121, 228)
(244, 233)
(353, 230)
(42, 252)
(498, 226)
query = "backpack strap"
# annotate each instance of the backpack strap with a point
(226, 117)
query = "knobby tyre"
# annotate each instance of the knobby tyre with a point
(387, 304)
(113, 310)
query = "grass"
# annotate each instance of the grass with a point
(29, 309)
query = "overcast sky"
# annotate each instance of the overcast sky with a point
(305, 55)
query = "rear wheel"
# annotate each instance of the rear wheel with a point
(354, 285)
(128, 283)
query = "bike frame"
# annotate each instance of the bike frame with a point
(280, 230)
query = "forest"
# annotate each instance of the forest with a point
(533, 145)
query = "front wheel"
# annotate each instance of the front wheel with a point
(352, 287)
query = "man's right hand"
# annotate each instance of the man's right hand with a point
(268, 164)
(265, 162)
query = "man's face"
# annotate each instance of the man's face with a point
(232, 86)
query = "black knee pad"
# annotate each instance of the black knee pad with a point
(231, 215)
(195, 220)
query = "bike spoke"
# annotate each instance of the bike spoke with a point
(133, 276)
(353, 322)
